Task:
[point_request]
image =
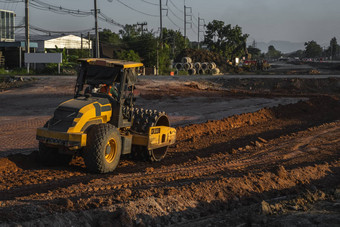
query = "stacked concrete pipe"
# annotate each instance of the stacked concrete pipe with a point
(186, 64)
(179, 66)
(201, 72)
(198, 66)
(211, 65)
(215, 71)
(204, 65)
(192, 71)
(186, 60)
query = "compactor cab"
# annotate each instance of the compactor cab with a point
(101, 123)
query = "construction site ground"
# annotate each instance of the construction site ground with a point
(250, 151)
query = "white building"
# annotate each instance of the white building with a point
(68, 42)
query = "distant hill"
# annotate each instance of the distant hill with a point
(283, 46)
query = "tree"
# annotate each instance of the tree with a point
(225, 39)
(273, 53)
(297, 54)
(129, 31)
(144, 44)
(175, 40)
(108, 37)
(255, 52)
(313, 49)
(128, 55)
(334, 47)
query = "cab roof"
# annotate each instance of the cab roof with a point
(107, 62)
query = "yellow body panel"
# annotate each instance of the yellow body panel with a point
(61, 138)
(89, 114)
(111, 62)
(74, 135)
(159, 136)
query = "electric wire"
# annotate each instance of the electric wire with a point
(4, 1)
(176, 6)
(172, 12)
(107, 19)
(79, 13)
(59, 9)
(36, 28)
(173, 22)
(150, 3)
(136, 10)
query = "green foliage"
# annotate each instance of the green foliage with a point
(164, 59)
(313, 49)
(224, 39)
(16, 71)
(147, 46)
(273, 53)
(109, 37)
(182, 73)
(175, 40)
(68, 60)
(299, 53)
(255, 52)
(128, 55)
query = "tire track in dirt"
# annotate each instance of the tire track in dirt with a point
(207, 163)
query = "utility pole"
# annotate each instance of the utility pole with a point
(185, 20)
(199, 30)
(81, 45)
(161, 22)
(141, 25)
(96, 28)
(89, 38)
(27, 31)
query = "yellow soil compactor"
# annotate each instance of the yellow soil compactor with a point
(101, 123)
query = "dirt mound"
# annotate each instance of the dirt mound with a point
(325, 107)
(282, 86)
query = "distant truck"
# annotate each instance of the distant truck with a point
(255, 65)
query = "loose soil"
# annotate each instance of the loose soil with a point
(275, 166)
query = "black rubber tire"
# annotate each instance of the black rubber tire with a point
(49, 156)
(98, 138)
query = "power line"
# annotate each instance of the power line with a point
(60, 32)
(173, 22)
(176, 6)
(79, 13)
(172, 12)
(59, 9)
(107, 19)
(150, 3)
(136, 10)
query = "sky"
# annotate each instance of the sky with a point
(263, 20)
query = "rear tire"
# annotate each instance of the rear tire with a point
(103, 149)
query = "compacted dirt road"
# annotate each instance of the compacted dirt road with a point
(275, 166)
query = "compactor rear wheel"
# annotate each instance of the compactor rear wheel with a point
(103, 150)
(143, 120)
